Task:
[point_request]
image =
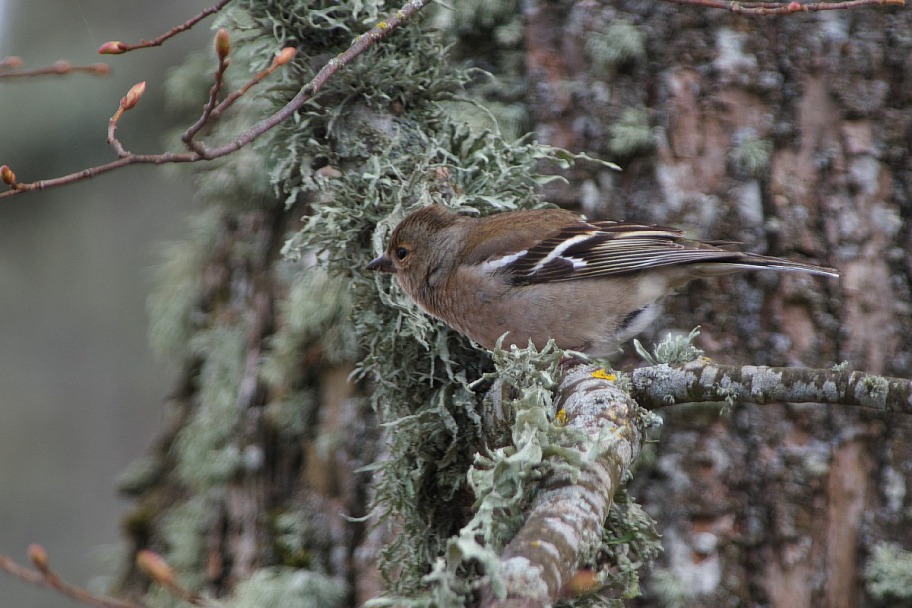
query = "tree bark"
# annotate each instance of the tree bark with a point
(790, 135)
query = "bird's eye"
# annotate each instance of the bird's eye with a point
(402, 253)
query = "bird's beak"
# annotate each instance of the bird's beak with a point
(383, 264)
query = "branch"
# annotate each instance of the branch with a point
(222, 47)
(765, 9)
(199, 151)
(9, 68)
(567, 516)
(43, 576)
(566, 519)
(701, 381)
(149, 562)
(116, 47)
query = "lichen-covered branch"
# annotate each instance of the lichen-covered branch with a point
(565, 522)
(766, 9)
(701, 381)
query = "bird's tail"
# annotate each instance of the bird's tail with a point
(752, 261)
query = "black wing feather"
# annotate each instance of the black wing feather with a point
(602, 249)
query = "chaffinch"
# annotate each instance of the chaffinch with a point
(548, 273)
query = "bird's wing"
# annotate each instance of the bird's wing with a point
(599, 249)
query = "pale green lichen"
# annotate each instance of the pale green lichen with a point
(630, 133)
(279, 587)
(205, 448)
(751, 155)
(840, 367)
(874, 388)
(674, 350)
(621, 42)
(670, 590)
(888, 573)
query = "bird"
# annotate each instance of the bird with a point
(542, 274)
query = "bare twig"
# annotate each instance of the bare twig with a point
(116, 47)
(222, 48)
(701, 381)
(126, 103)
(781, 8)
(159, 571)
(43, 576)
(281, 59)
(200, 152)
(9, 68)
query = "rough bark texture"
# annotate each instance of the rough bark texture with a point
(774, 505)
(661, 386)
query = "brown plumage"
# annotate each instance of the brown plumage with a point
(549, 274)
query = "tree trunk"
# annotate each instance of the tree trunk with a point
(791, 135)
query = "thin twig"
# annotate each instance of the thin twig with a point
(9, 68)
(116, 47)
(763, 9)
(222, 46)
(128, 102)
(49, 579)
(380, 32)
(230, 99)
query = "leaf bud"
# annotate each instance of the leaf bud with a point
(155, 566)
(114, 47)
(222, 44)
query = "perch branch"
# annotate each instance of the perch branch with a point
(201, 152)
(566, 519)
(702, 381)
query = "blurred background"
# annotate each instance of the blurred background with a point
(81, 394)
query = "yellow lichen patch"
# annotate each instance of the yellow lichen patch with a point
(603, 374)
(561, 418)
